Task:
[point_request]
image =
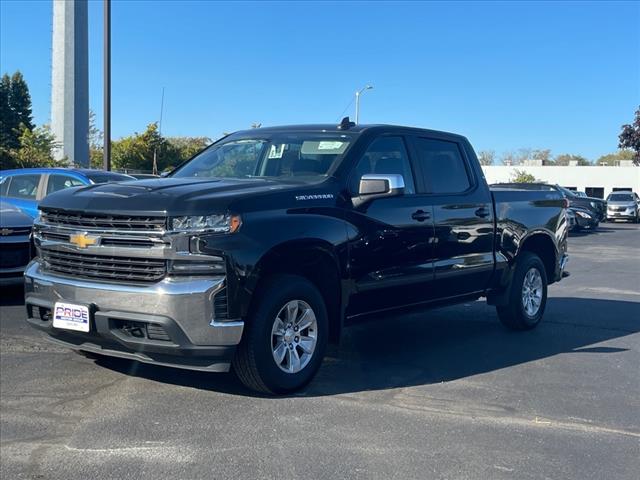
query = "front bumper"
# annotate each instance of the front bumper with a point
(171, 322)
(627, 214)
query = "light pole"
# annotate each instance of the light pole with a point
(358, 93)
(106, 155)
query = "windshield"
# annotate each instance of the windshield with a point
(620, 197)
(303, 155)
(567, 192)
(102, 177)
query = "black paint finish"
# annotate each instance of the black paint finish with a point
(387, 253)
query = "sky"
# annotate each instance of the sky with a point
(508, 75)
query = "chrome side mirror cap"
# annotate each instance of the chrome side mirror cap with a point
(375, 185)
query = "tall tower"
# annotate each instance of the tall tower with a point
(70, 81)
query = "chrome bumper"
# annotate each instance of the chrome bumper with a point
(183, 307)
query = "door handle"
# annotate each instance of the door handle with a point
(420, 215)
(482, 212)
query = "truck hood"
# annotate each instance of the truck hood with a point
(173, 196)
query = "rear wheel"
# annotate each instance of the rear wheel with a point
(527, 296)
(285, 338)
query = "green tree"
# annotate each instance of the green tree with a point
(566, 159)
(34, 150)
(630, 137)
(486, 157)
(96, 146)
(20, 102)
(8, 138)
(183, 148)
(522, 176)
(136, 152)
(613, 159)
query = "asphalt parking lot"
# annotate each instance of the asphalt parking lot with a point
(444, 394)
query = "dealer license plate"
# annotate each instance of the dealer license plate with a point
(71, 316)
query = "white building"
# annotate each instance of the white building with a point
(596, 181)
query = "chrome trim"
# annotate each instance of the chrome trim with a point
(396, 181)
(187, 300)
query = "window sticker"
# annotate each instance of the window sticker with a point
(323, 147)
(276, 151)
(330, 145)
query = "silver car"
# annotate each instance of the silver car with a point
(623, 206)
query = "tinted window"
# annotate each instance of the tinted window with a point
(385, 155)
(60, 182)
(24, 186)
(4, 185)
(442, 166)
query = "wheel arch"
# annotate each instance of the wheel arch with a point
(313, 259)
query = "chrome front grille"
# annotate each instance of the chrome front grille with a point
(104, 267)
(122, 223)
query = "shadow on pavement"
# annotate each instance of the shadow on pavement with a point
(11, 295)
(435, 346)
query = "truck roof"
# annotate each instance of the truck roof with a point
(335, 127)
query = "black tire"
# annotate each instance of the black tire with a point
(254, 363)
(513, 315)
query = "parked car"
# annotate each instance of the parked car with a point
(583, 219)
(15, 244)
(24, 188)
(623, 205)
(596, 206)
(259, 250)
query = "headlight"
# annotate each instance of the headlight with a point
(206, 223)
(38, 218)
(583, 214)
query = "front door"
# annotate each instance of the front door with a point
(391, 252)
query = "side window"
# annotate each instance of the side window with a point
(442, 166)
(4, 185)
(60, 182)
(24, 186)
(385, 155)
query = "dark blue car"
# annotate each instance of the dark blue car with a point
(15, 244)
(24, 188)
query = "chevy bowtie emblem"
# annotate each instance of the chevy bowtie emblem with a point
(6, 231)
(82, 240)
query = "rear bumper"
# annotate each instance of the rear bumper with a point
(167, 323)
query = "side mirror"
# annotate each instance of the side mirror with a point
(164, 174)
(374, 186)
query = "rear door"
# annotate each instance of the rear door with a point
(59, 181)
(462, 213)
(391, 256)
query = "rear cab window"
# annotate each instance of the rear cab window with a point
(443, 169)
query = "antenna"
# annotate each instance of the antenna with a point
(161, 110)
(346, 124)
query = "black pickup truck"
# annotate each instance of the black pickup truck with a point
(259, 250)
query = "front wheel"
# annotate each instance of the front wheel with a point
(527, 296)
(285, 338)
